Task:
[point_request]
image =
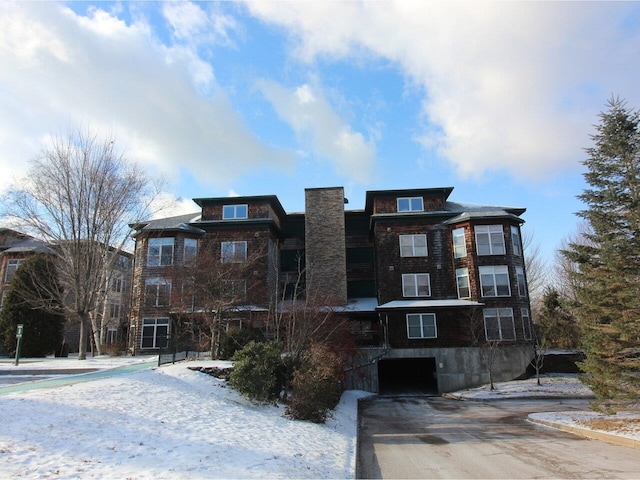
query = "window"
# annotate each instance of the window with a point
(114, 310)
(116, 285)
(416, 285)
(421, 325)
(229, 212)
(2, 297)
(498, 324)
(155, 333)
(459, 243)
(157, 292)
(515, 241)
(522, 287)
(462, 279)
(112, 335)
(234, 252)
(12, 266)
(160, 252)
(190, 250)
(490, 240)
(234, 289)
(494, 281)
(413, 245)
(526, 323)
(410, 204)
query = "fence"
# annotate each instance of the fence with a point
(173, 357)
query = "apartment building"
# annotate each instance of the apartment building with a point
(432, 289)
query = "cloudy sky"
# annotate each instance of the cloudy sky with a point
(249, 98)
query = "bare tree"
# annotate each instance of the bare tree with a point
(487, 349)
(78, 196)
(535, 265)
(564, 275)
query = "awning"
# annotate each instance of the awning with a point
(444, 303)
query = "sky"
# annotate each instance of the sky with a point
(495, 99)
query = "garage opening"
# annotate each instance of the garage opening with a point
(407, 376)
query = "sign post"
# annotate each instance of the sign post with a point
(19, 337)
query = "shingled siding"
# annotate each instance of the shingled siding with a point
(325, 242)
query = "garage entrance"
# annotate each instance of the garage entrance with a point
(407, 376)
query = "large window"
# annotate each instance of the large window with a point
(12, 266)
(413, 245)
(190, 250)
(522, 287)
(116, 284)
(230, 212)
(421, 325)
(498, 324)
(494, 281)
(462, 279)
(234, 252)
(526, 323)
(155, 332)
(410, 204)
(160, 252)
(114, 310)
(416, 285)
(157, 292)
(489, 240)
(515, 241)
(459, 243)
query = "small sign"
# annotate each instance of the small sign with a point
(20, 329)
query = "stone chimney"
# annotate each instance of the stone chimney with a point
(326, 257)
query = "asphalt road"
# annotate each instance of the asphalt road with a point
(433, 437)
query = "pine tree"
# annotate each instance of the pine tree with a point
(43, 327)
(608, 273)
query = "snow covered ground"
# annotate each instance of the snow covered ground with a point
(168, 422)
(172, 422)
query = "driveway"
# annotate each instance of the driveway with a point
(433, 437)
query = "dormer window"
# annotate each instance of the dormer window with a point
(410, 204)
(230, 212)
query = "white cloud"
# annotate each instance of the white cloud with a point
(321, 130)
(58, 68)
(508, 85)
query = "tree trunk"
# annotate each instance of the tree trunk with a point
(97, 333)
(84, 324)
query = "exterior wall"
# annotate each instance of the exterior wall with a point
(325, 243)
(456, 368)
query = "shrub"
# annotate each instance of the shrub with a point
(316, 385)
(256, 370)
(237, 339)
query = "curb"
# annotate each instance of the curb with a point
(462, 398)
(595, 435)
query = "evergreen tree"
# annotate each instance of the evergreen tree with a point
(555, 324)
(607, 277)
(43, 327)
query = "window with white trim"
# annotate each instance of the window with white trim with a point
(526, 323)
(421, 325)
(459, 243)
(190, 250)
(410, 204)
(490, 240)
(230, 212)
(112, 335)
(155, 333)
(416, 285)
(157, 292)
(515, 241)
(160, 252)
(233, 252)
(413, 245)
(114, 310)
(12, 266)
(522, 286)
(116, 284)
(494, 281)
(462, 280)
(498, 324)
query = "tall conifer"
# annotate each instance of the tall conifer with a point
(608, 273)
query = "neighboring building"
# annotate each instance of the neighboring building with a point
(431, 287)
(15, 247)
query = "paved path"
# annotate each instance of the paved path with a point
(420, 437)
(73, 377)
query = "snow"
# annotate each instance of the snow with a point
(167, 422)
(172, 422)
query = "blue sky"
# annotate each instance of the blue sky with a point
(248, 98)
